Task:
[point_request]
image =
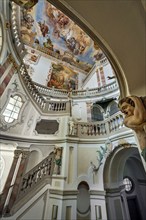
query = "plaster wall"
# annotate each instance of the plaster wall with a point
(35, 211)
(79, 110)
(98, 207)
(7, 154)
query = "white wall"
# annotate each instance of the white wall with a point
(41, 71)
(7, 154)
(79, 110)
(93, 83)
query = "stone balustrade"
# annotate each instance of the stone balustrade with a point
(51, 91)
(84, 93)
(46, 106)
(91, 130)
(39, 173)
(115, 122)
(15, 30)
(97, 129)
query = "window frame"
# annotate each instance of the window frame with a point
(19, 118)
(13, 108)
(132, 184)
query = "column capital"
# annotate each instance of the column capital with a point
(17, 153)
(25, 154)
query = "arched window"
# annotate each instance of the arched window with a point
(129, 185)
(12, 109)
(96, 114)
(113, 108)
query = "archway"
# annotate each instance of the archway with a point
(125, 185)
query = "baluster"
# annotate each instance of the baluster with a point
(64, 106)
(121, 120)
(29, 180)
(24, 184)
(43, 169)
(109, 126)
(104, 129)
(39, 173)
(98, 129)
(94, 128)
(115, 123)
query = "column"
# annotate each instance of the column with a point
(17, 183)
(4, 195)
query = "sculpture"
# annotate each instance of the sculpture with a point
(71, 127)
(134, 109)
(58, 159)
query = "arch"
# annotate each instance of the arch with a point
(112, 108)
(115, 164)
(97, 112)
(124, 163)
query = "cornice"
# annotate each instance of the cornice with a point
(63, 192)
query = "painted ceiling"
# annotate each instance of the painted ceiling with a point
(47, 29)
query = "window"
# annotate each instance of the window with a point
(128, 184)
(113, 108)
(96, 113)
(12, 110)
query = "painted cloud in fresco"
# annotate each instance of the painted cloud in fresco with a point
(47, 29)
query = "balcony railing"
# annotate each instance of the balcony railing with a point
(84, 93)
(39, 173)
(29, 185)
(94, 130)
(44, 105)
(15, 30)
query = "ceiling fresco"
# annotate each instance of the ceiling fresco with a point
(63, 77)
(47, 29)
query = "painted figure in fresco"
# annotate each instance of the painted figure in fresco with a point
(134, 109)
(48, 44)
(63, 21)
(28, 36)
(58, 160)
(44, 28)
(27, 20)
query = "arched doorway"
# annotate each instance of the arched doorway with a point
(125, 185)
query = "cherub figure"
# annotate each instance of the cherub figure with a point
(134, 109)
